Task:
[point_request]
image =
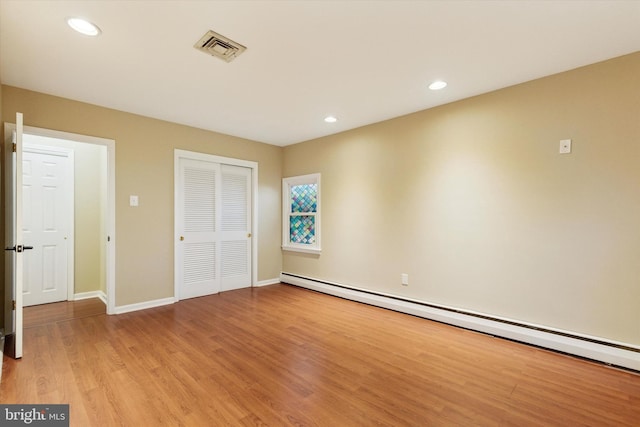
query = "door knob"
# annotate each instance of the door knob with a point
(181, 238)
(19, 248)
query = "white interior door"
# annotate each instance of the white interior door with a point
(235, 228)
(197, 228)
(14, 249)
(46, 212)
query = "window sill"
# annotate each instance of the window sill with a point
(303, 250)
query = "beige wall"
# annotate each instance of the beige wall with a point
(89, 220)
(471, 199)
(474, 202)
(144, 166)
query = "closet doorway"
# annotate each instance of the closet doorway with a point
(215, 244)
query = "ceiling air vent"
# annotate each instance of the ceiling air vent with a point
(219, 46)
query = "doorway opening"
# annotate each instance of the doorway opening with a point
(64, 214)
(90, 238)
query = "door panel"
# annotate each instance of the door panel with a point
(45, 227)
(236, 227)
(13, 238)
(198, 200)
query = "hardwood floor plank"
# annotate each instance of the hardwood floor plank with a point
(281, 355)
(60, 311)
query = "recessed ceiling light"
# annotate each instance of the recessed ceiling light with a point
(83, 26)
(330, 119)
(437, 85)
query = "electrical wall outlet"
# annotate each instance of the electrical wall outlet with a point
(565, 146)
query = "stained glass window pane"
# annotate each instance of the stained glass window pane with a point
(304, 198)
(302, 229)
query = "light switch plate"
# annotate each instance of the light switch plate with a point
(133, 200)
(404, 279)
(565, 146)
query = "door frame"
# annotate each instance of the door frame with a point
(30, 147)
(212, 158)
(110, 223)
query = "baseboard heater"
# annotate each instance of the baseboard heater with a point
(618, 354)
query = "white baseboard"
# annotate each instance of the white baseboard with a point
(92, 294)
(595, 348)
(143, 305)
(268, 282)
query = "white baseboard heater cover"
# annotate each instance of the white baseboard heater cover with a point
(609, 352)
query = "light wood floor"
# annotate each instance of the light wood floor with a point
(61, 311)
(281, 355)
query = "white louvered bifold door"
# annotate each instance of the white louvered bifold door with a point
(235, 227)
(198, 251)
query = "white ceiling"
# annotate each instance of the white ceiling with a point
(362, 61)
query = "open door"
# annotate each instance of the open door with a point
(14, 248)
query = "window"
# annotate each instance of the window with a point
(301, 213)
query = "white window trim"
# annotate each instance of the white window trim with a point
(287, 183)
